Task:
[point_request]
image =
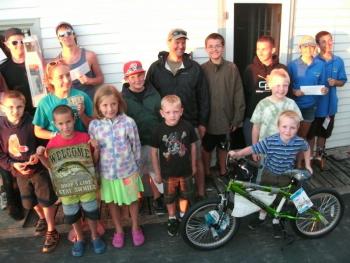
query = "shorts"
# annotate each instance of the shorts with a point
(36, 189)
(178, 187)
(146, 160)
(72, 212)
(270, 179)
(210, 141)
(317, 129)
(308, 114)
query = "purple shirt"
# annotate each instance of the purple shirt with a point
(120, 148)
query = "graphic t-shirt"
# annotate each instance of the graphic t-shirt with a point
(174, 144)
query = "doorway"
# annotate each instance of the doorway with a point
(250, 22)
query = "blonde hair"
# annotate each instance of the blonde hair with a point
(49, 70)
(280, 72)
(291, 115)
(108, 90)
(171, 99)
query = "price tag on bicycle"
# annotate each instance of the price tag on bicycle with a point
(301, 201)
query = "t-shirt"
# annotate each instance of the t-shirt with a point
(266, 115)
(43, 116)
(280, 156)
(59, 142)
(174, 144)
(15, 76)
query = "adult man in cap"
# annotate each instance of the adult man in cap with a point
(85, 70)
(176, 73)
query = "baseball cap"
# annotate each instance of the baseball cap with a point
(132, 67)
(12, 31)
(307, 41)
(63, 24)
(177, 33)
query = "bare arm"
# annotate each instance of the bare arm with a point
(194, 158)
(307, 160)
(43, 133)
(95, 67)
(241, 153)
(155, 164)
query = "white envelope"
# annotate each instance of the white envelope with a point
(81, 70)
(312, 90)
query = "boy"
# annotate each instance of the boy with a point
(173, 146)
(327, 105)
(143, 104)
(280, 150)
(226, 101)
(17, 155)
(254, 79)
(63, 117)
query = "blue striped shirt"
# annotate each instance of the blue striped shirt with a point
(280, 156)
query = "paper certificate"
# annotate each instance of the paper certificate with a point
(301, 201)
(312, 90)
(81, 70)
(72, 170)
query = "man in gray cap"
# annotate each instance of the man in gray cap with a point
(176, 73)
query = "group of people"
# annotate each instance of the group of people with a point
(163, 125)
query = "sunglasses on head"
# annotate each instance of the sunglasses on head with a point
(66, 33)
(17, 42)
(179, 32)
(52, 64)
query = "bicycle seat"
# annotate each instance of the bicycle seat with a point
(300, 175)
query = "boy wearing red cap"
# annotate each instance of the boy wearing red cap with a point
(143, 104)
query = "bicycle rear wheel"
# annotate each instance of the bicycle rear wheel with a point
(201, 234)
(323, 217)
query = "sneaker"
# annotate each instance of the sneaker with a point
(138, 238)
(3, 201)
(78, 248)
(118, 240)
(256, 222)
(277, 231)
(51, 241)
(98, 245)
(173, 226)
(40, 227)
(158, 206)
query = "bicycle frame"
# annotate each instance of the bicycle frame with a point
(285, 192)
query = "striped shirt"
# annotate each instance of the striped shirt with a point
(280, 156)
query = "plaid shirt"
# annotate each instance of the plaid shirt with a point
(120, 148)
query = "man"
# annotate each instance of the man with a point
(254, 79)
(85, 70)
(176, 73)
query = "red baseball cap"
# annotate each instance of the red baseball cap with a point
(132, 67)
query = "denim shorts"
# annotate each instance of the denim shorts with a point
(308, 114)
(72, 212)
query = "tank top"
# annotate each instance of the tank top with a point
(88, 89)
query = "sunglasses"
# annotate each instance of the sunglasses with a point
(179, 32)
(17, 42)
(66, 33)
(53, 64)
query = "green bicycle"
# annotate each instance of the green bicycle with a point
(212, 223)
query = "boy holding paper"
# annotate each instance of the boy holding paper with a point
(327, 105)
(306, 71)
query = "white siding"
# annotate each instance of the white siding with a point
(333, 16)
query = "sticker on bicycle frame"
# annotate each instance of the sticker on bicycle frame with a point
(301, 201)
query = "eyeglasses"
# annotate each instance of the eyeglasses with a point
(17, 42)
(66, 33)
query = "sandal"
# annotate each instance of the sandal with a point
(51, 241)
(40, 227)
(118, 240)
(137, 237)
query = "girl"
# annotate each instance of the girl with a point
(120, 155)
(60, 92)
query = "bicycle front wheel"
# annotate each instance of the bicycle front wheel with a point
(323, 217)
(199, 233)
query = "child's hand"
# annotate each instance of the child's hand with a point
(233, 154)
(83, 79)
(40, 151)
(22, 169)
(94, 144)
(298, 92)
(33, 159)
(309, 169)
(158, 179)
(255, 157)
(81, 109)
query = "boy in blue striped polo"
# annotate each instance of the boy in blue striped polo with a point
(280, 152)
